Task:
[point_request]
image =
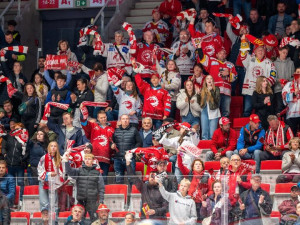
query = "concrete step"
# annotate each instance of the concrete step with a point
(136, 26)
(138, 19)
(146, 5)
(140, 12)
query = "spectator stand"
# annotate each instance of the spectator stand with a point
(63, 216)
(282, 192)
(135, 200)
(31, 201)
(20, 218)
(36, 218)
(270, 169)
(115, 197)
(204, 145)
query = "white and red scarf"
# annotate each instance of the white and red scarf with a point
(50, 167)
(279, 136)
(289, 41)
(234, 21)
(132, 38)
(10, 88)
(114, 75)
(91, 30)
(18, 48)
(21, 135)
(47, 110)
(85, 112)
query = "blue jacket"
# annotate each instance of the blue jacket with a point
(52, 82)
(61, 135)
(36, 150)
(287, 19)
(67, 100)
(241, 140)
(147, 142)
(8, 187)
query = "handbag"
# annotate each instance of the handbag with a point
(207, 220)
(22, 107)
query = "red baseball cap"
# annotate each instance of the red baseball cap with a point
(102, 207)
(254, 118)
(185, 125)
(224, 121)
(155, 10)
(270, 40)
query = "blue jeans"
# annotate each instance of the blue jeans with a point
(32, 175)
(105, 167)
(173, 160)
(178, 175)
(18, 172)
(208, 127)
(157, 124)
(112, 115)
(225, 105)
(247, 105)
(254, 155)
(237, 6)
(191, 119)
(44, 198)
(120, 167)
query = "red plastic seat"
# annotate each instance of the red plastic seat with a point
(240, 122)
(204, 144)
(37, 215)
(215, 165)
(117, 189)
(284, 188)
(168, 215)
(275, 214)
(25, 215)
(65, 214)
(134, 190)
(31, 190)
(266, 187)
(17, 196)
(139, 166)
(121, 214)
(271, 165)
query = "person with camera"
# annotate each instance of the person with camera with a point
(277, 139)
(182, 207)
(154, 206)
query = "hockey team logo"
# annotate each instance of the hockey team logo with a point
(102, 140)
(117, 57)
(210, 50)
(128, 104)
(77, 158)
(153, 101)
(146, 55)
(257, 71)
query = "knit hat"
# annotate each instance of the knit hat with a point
(156, 75)
(220, 49)
(102, 207)
(270, 40)
(89, 145)
(224, 121)
(2, 110)
(155, 10)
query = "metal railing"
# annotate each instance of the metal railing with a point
(5, 11)
(101, 13)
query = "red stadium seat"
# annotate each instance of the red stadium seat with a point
(17, 196)
(31, 190)
(120, 214)
(238, 123)
(215, 165)
(204, 144)
(24, 215)
(117, 189)
(271, 165)
(236, 107)
(115, 197)
(284, 188)
(65, 214)
(275, 214)
(266, 187)
(37, 215)
(134, 190)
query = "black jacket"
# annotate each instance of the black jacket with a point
(89, 182)
(86, 95)
(126, 139)
(13, 151)
(150, 195)
(36, 150)
(4, 210)
(256, 29)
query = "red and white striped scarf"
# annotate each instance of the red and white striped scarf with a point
(234, 21)
(279, 136)
(21, 136)
(114, 75)
(85, 112)
(47, 110)
(132, 38)
(50, 167)
(19, 48)
(91, 30)
(10, 88)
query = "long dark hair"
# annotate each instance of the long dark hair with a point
(186, 92)
(46, 138)
(34, 94)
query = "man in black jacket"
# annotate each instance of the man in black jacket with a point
(125, 138)
(151, 197)
(90, 184)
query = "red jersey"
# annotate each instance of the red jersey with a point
(100, 139)
(171, 8)
(157, 101)
(208, 47)
(160, 30)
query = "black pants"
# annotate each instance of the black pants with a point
(91, 207)
(265, 155)
(278, 102)
(294, 124)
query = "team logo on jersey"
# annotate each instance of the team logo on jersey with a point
(77, 158)
(128, 104)
(146, 55)
(153, 101)
(102, 140)
(117, 57)
(210, 50)
(257, 71)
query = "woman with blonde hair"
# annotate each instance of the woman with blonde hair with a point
(261, 100)
(50, 173)
(209, 101)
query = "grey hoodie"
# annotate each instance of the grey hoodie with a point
(285, 69)
(182, 209)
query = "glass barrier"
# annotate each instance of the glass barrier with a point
(202, 199)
